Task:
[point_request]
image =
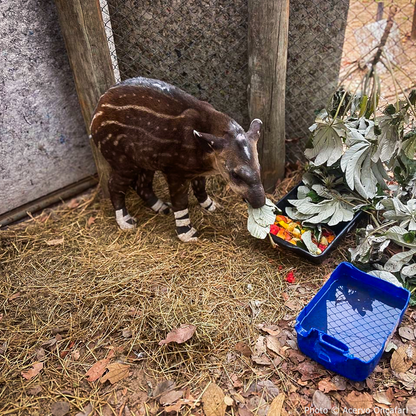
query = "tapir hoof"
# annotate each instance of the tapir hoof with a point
(210, 205)
(161, 207)
(124, 220)
(190, 236)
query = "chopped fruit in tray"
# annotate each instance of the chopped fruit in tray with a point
(313, 240)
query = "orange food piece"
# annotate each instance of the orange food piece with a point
(283, 218)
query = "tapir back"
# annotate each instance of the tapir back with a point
(148, 124)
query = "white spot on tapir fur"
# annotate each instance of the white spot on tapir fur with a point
(243, 140)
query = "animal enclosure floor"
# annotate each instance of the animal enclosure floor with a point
(80, 298)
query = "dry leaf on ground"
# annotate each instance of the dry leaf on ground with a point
(91, 221)
(407, 379)
(163, 387)
(86, 411)
(360, 402)
(228, 401)
(273, 344)
(407, 333)
(326, 386)
(340, 382)
(277, 405)
(97, 370)
(309, 370)
(243, 348)
(270, 329)
(55, 242)
(411, 406)
(179, 335)
(170, 397)
(384, 397)
(321, 401)
(116, 372)
(34, 390)
(400, 361)
(243, 411)
(32, 372)
(213, 401)
(191, 401)
(60, 408)
(126, 333)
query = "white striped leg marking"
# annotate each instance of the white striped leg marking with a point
(189, 236)
(183, 223)
(159, 206)
(122, 220)
(209, 205)
(180, 214)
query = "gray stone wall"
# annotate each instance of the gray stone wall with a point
(43, 142)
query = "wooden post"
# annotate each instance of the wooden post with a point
(413, 33)
(267, 47)
(89, 56)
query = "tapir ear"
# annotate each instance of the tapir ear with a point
(254, 129)
(209, 141)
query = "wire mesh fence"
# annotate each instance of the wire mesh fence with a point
(201, 46)
(197, 45)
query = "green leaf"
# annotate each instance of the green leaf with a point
(409, 237)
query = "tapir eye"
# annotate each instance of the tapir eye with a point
(236, 176)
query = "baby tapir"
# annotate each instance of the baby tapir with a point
(143, 125)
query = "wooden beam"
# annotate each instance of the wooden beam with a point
(267, 47)
(89, 56)
(413, 33)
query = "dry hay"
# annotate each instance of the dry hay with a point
(100, 281)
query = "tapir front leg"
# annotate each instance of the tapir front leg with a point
(117, 187)
(198, 186)
(178, 189)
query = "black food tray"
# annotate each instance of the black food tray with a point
(339, 230)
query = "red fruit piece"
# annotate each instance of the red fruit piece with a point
(322, 247)
(290, 277)
(274, 229)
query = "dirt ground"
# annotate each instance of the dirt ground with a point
(85, 306)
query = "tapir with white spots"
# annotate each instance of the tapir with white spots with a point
(143, 125)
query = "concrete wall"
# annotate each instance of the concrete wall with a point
(43, 143)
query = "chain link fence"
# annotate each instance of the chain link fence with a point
(201, 46)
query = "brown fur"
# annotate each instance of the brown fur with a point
(143, 125)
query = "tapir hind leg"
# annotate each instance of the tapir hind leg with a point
(144, 188)
(178, 189)
(198, 186)
(117, 186)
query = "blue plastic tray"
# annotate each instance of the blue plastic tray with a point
(346, 326)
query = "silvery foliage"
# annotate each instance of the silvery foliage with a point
(331, 210)
(260, 219)
(373, 162)
(402, 212)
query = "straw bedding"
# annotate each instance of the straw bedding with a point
(74, 287)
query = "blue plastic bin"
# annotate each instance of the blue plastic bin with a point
(346, 326)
